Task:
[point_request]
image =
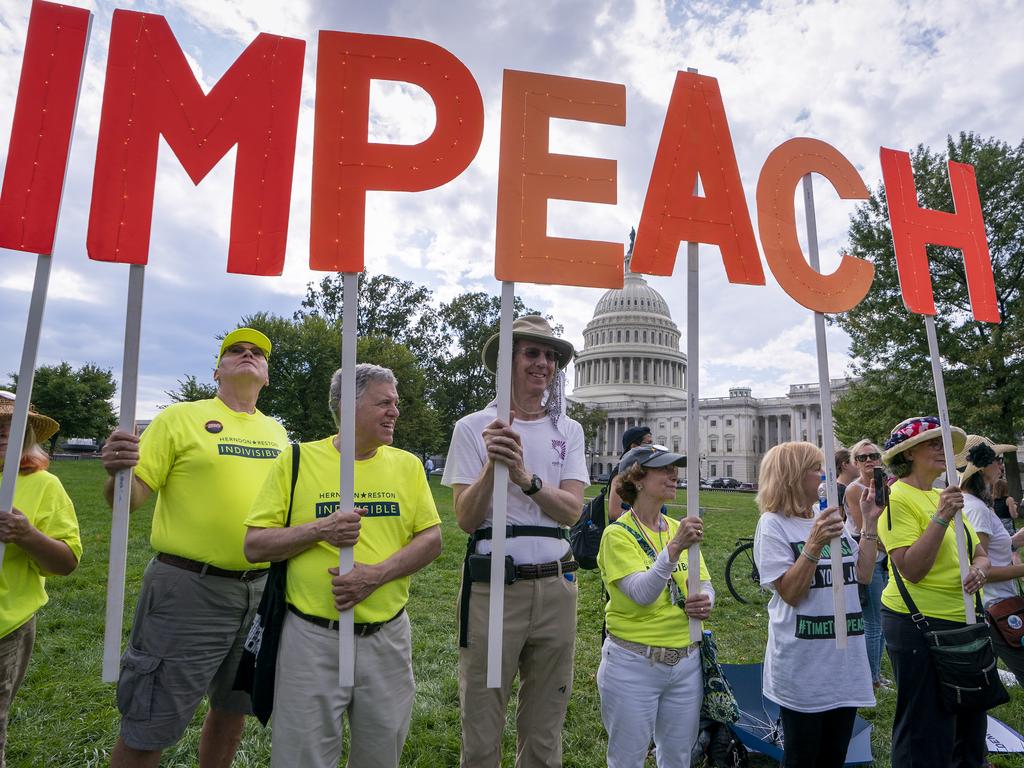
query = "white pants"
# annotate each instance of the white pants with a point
(309, 704)
(643, 700)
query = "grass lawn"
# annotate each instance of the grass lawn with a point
(64, 716)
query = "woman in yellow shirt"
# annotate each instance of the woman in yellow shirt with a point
(650, 677)
(916, 531)
(41, 538)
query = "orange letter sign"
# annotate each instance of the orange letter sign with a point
(529, 176)
(695, 141)
(776, 223)
(150, 91)
(346, 164)
(914, 227)
(41, 135)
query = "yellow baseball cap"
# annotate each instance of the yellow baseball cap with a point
(250, 335)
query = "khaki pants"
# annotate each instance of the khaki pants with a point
(15, 652)
(538, 643)
(309, 704)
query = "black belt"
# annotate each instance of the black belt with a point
(205, 569)
(542, 570)
(360, 630)
(511, 531)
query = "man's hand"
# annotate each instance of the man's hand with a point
(504, 444)
(355, 586)
(121, 451)
(14, 526)
(340, 528)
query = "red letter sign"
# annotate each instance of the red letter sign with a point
(43, 119)
(695, 140)
(776, 222)
(914, 227)
(346, 164)
(150, 91)
(529, 176)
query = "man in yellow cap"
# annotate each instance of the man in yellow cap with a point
(206, 460)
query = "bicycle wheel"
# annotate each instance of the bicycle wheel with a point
(742, 578)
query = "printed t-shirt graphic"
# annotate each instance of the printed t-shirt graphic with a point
(661, 623)
(43, 500)
(803, 638)
(938, 594)
(391, 485)
(207, 463)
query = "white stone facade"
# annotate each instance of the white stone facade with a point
(631, 367)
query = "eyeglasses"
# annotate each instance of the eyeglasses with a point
(867, 457)
(532, 353)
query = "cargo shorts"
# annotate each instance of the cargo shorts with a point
(186, 642)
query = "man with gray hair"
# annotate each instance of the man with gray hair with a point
(395, 529)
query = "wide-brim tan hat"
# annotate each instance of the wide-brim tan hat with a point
(43, 426)
(916, 430)
(967, 468)
(532, 328)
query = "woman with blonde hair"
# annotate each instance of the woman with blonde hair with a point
(650, 677)
(866, 457)
(41, 538)
(802, 664)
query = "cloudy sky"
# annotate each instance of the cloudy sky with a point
(857, 75)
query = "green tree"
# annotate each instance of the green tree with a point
(592, 419)
(79, 400)
(191, 389)
(982, 362)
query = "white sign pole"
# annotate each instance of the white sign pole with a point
(347, 448)
(499, 500)
(26, 376)
(123, 479)
(827, 436)
(693, 417)
(947, 448)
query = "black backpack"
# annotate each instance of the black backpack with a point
(585, 535)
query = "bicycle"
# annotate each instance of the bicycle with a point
(741, 574)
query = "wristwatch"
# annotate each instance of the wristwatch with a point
(535, 485)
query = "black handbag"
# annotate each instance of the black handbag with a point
(963, 658)
(258, 666)
(585, 535)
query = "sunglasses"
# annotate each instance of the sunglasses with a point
(533, 353)
(867, 457)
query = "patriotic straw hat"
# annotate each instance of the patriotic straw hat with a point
(911, 432)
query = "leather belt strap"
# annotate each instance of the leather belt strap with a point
(205, 569)
(669, 656)
(361, 630)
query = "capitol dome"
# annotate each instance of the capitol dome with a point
(630, 348)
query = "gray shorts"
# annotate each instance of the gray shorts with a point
(186, 641)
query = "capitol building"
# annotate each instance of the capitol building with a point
(631, 368)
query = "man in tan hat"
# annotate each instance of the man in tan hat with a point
(544, 452)
(206, 460)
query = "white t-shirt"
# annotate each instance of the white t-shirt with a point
(547, 453)
(803, 669)
(999, 546)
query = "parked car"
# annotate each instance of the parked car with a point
(725, 482)
(603, 478)
(681, 483)
(748, 486)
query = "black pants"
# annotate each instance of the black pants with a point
(816, 739)
(924, 734)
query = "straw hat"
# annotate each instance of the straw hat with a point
(43, 426)
(531, 328)
(911, 432)
(972, 452)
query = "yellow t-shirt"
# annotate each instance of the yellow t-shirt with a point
(42, 499)
(206, 462)
(661, 623)
(391, 486)
(939, 593)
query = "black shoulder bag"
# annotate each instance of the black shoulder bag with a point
(963, 658)
(585, 535)
(258, 666)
